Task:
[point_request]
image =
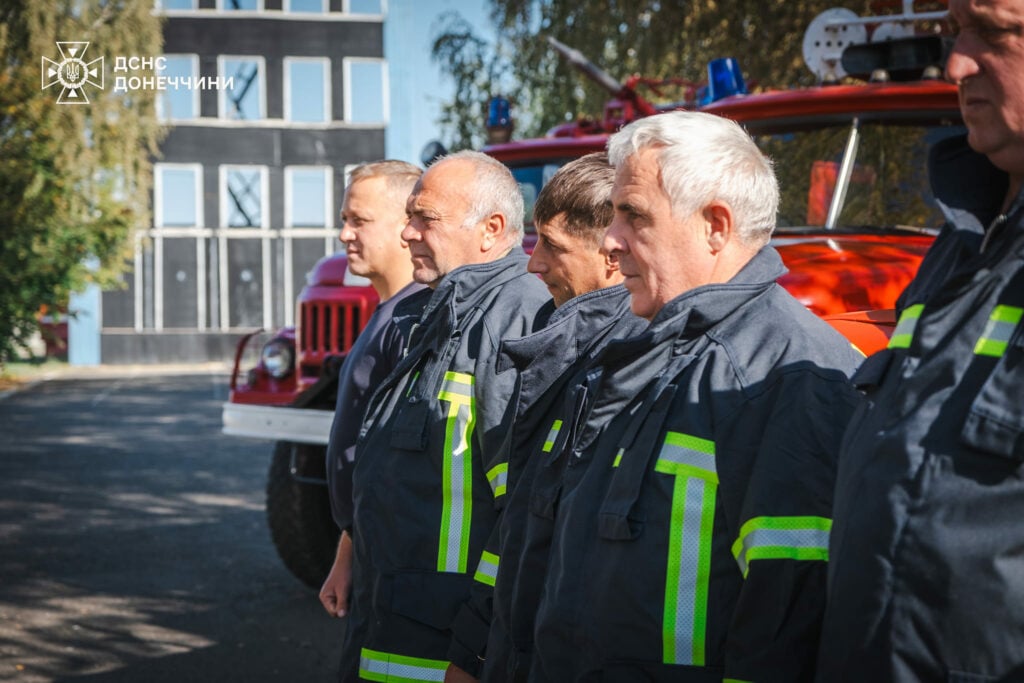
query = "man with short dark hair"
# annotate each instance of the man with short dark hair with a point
(926, 576)
(427, 473)
(373, 217)
(689, 470)
(591, 308)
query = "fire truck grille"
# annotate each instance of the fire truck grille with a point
(328, 329)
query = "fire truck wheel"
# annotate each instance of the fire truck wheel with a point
(299, 514)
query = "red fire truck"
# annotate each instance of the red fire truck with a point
(855, 220)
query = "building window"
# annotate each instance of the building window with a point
(243, 196)
(310, 6)
(375, 7)
(366, 91)
(175, 4)
(307, 193)
(244, 100)
(307, 89)
(233, 5)
(179, 103)
(176, 193)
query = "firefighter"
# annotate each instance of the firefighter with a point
(589, 308)
(689, 470)
(427, 473)
(373, 217)
(926, 581)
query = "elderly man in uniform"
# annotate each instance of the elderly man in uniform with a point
(689, 470)
(926, 581)
(590, 307)
(428, 473)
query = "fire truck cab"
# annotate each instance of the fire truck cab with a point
(855, 221)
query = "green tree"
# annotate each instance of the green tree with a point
(74, 179)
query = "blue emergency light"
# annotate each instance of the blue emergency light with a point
(499, 120)
(725, 79)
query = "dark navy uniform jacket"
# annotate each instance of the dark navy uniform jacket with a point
(511, 576)
(927, 573)
(428, 470)
(690, 487)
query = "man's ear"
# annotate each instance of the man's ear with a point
(611, 262)
(718, 225)
(493, 231)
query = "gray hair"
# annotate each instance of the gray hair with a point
(495, 190)
(704, 158)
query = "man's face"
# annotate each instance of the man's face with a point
(987, 62)
(661, 256)
(568, 264)
(436, 212)
(372, 222)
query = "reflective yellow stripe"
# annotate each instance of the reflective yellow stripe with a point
(487, 570)
(457, 483)
(782, 538)
(904, 332)
(391, 668)
(618, 457)
(996, 336)
(691, 460)
(556, 427)
(497, 477)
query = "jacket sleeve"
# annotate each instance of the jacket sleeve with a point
(472, 624)
(781, 538)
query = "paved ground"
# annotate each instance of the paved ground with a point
(132, 540)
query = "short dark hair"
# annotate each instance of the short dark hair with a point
(581, 193)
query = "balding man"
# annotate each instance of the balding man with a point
(427, 473)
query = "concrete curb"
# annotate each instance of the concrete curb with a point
(120, 372)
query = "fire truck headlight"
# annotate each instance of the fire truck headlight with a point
(278, 358)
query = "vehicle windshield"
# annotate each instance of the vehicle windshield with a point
(888, 180)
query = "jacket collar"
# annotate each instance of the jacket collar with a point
(967, 187)
(570, 329)
(462, 290)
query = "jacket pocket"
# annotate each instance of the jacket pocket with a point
(431, 598)
(410, 429)
(995, 422)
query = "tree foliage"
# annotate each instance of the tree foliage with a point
(74, 179)
(651, 38)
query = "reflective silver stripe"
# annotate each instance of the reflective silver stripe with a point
(497, 477)
(457, 477)
(691, 460)
(793, 538)
(487, 570)
(556, 427)
(385, 666)
(903, 335)
(685, 454)
(998, 331)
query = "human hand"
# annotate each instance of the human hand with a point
(335, 591)
(456, 675)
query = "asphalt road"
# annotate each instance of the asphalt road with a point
(133, 545)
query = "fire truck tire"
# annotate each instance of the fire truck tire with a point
(299, 514)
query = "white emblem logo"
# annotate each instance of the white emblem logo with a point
(73, 73)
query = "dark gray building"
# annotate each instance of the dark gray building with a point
(249, 183)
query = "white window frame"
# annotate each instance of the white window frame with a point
(224, 201)
(385, 94)
(346, 6)
(158, 192)
(222, 7)
(326, 63)
(287, 7)
(222, 94)
(194, 74)
(289, 175)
